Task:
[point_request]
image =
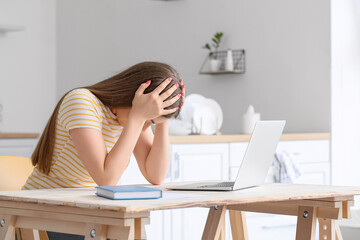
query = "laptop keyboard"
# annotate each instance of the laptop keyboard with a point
(222, 184)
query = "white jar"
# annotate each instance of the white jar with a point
(229, 64)
(214, 65)
(249, 120)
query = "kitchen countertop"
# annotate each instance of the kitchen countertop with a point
(19, 135)
(204, 138)
(245, 138)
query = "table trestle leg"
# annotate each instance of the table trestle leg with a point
(95, 231)
(140, 223)
(214, 223)
(238, 225)
(7, 226)
(306, 223)
(329, 229)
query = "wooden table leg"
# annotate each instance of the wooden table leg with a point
(238, 225)
(222, 231)
(329, 229)
(338, 235)
(125, 232)
(140, 223)
(29, 234)
(7, 226)
(306, 223)
(214, 223)
(95, 231)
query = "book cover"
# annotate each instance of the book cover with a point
(122, 192)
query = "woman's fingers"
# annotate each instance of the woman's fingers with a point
(171, 101)
(182, 89)
(168, 92)
(162, 86)
(142, 87)
(169, 111)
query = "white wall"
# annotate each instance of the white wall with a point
(345, 36)
(287, 43)
(27, 64)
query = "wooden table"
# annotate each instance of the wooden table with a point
(80, 211)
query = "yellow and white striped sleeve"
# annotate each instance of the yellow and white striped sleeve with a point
(79, 109)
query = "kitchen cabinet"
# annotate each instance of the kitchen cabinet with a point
(22, 147)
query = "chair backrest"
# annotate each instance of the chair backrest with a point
(14, 172)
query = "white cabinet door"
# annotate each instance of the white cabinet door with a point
(309, 151)
(196, 162)
(17, 147)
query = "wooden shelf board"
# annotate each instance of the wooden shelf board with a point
(224, 72)
(10, 28)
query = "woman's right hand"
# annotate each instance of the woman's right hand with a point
(152, 105)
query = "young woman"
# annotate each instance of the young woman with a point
(93, 131)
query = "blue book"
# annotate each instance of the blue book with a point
(122, 192)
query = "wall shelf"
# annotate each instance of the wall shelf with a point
(238, 61)
(10, 28)
(223, 72)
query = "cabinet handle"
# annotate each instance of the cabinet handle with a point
(177, 166)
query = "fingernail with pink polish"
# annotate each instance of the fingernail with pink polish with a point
(169, 79)
(179, 95)
(177, 85)
(148, 82)
(181, 81)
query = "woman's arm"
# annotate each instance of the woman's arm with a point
(107, 168)
(152, 153)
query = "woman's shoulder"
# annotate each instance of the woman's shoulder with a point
(80, 92)
(81, 98)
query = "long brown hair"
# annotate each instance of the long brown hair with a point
(116, 91)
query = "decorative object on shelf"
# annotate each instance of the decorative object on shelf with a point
(213, 58)
(9, 28)
(249, 120)
(229, 64)
(199, 116)
(238, 56)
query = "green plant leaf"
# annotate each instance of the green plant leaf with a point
(207, 46)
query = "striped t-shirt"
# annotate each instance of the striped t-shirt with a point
(80, 108)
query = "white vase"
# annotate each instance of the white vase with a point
(214, 65)
(229, 64)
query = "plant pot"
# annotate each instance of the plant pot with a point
(214, 65)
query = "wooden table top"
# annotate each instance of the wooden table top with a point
(86, 198)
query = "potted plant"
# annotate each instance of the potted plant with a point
(213, 47)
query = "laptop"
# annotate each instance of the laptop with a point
(256, 162)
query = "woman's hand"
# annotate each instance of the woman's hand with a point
(152, 105)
